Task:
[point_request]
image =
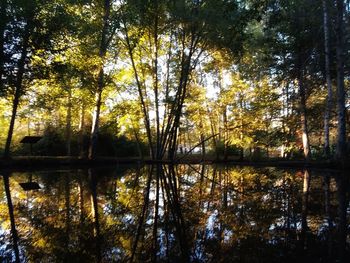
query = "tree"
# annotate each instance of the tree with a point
(328, 76)
(107, 30)
(296, 52)
(26, 31)
(31, 32)
(165, 41)
(196, 112)
(3, 24)
(341, 109)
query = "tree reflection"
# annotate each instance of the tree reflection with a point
(6, 179)
(305, 208)
(342, 193)
(177, 213)
(328, 216)
(95, 212)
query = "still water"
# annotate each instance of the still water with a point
(178, 213)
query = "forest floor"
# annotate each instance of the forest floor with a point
(23, 162)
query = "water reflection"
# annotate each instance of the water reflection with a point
(14, 234)
(175, 214)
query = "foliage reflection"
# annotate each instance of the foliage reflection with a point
(174, 214)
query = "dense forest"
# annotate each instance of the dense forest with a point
(166, 79)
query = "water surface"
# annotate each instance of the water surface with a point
(174, 214)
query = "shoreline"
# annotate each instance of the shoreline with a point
(32, 162)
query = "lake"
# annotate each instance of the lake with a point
(183, 213)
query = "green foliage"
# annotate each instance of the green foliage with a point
(169, 73)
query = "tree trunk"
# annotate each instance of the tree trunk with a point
(212, 128)
(158, 150)
(327, 114)
(82, 129)
(241, 150)
(225, 133)
(180, 98)
(138, 144)
(341, 109)
(18, 89)
(100, 82)
(95, 123)
(3, 21)
(285, 117)
(202, 145)
(140, 89)
(69, 123)
(303, 120)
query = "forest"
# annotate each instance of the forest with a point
(172, 79)
(174, 131)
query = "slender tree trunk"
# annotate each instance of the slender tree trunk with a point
(138, 143)
(155, 84)
(284, 118)
(12, 123)
(241, 152)
(327, 114)
(3, 21)
(187, 134)
(100, 82)
(166, 119)
(212, 129)
(341, 109)
(173, 141)
(82, 129)
(225, 133)
(95, 121)
(202, 145)
(69, 123)
(303, 119)
(18, 89)
(180, 97)
(140, 89)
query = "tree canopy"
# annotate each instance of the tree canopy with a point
(164, 79)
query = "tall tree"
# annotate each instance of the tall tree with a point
(165, 41)
(30, 32)
(327, 114)
(25, 33)
(341, 109)
(3, 22)
(106, 34)
(296, 52)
